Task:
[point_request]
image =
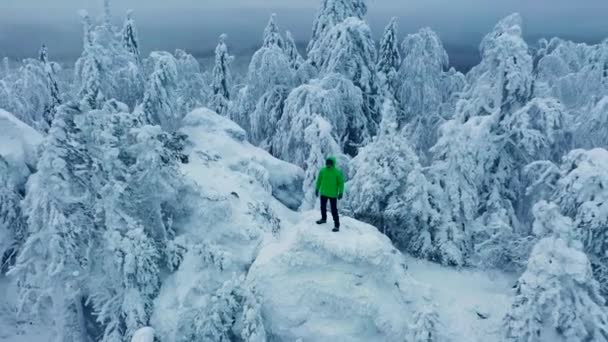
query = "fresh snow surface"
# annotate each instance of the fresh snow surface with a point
(464, 297)
(321, 286)
(18, 145)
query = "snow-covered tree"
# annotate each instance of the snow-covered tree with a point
(349, 49)
(220, 84)
(425, 326)
(331, 13)
(193, 90)
(269, 78)
(12, 223)
(424, 99)
(231, 313)
(130, 37)
(291, 50)
(479, 158)
(54, 262)
(335, 99)
(580, 191)
(108, 67)
(272, 36)
(53, 87)
(160, 98)
(557, 295)
(379, 170)
(389, 57)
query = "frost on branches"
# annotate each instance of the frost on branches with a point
(557, 296)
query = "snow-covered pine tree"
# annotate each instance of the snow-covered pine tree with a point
(159, 105)
(269, 80)
(422, 95)
(582, 195)
(379, 170)
(130, 37)
(425, 325)
(497, 129)
(331, 13)
(557, 296)
(389, 58)
(12, 223)
(55, 96)
(220, 84)
(335, 99)
(349, 49)
(272, 36)
(54, 262)
(118, 72)
(193, 90)
(291, 50)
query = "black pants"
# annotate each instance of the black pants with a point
(334, 210)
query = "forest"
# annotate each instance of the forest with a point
(104, 212)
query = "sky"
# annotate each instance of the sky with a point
(194, 25)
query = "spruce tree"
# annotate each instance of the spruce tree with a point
(220, 84)
(389, 57)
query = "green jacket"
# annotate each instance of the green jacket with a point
(330, 182)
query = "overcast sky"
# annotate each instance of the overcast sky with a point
(195, 24)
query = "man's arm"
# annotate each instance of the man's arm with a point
(319, 181)
(340, 184)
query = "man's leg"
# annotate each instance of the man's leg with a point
(323, 210)
(334, 212)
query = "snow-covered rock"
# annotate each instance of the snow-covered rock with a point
(143, 335)
(223, 137)
(18, 146)
(237, 213)
(321, 286)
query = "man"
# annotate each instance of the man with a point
(330, 185)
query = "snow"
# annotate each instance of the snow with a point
(318, 285)
(18, 146)
(143, 335)
(462, 295)
(218, 136)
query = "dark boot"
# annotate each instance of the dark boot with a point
(336, 229)
(321, 221)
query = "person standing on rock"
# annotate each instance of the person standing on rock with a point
(330, 185)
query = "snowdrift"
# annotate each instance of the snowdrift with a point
(322, 286)
(18, 147)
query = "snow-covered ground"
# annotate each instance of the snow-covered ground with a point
(315, 285)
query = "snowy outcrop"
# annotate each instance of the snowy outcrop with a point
(236, 213)
(225, 138)
(18, 147)
(320, 286)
